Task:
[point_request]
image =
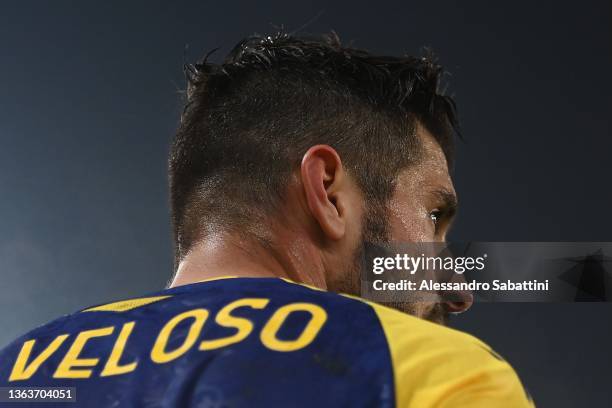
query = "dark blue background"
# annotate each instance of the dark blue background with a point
(89, 100)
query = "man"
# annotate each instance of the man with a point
(291, 156)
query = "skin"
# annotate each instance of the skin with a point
(318, 233)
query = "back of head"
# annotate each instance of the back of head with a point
(248, 122)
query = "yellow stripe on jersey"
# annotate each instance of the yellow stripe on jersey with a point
(125, 305)
(435, 366)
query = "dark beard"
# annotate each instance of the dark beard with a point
(436, 312)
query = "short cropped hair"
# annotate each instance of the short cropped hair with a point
(248, 121)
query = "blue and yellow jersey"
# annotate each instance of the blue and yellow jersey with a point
(258, 342)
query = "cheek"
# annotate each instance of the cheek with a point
(407, 224)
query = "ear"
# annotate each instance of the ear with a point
(323, 180)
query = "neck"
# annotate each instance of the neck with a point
(229, 255)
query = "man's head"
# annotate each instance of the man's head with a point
(339, 146)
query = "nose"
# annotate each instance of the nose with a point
(459, 301)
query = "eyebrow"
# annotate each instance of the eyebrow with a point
(448, 200)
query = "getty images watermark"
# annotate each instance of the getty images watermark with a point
(491, 271)
(440, 265)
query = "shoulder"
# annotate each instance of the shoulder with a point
(439, 366)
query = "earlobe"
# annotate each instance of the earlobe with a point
(323, 179)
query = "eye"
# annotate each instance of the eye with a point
(435, 216)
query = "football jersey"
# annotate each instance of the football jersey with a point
(258, 342)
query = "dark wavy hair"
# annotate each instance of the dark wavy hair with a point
(248, 121)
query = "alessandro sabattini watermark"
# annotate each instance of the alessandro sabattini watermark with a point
(491, 271)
